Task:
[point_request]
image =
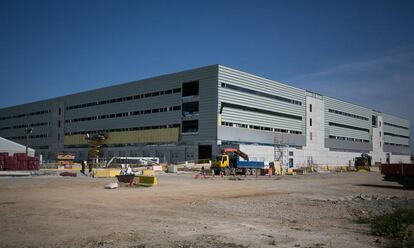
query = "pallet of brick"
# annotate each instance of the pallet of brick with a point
(33, 165)
(2, 160)
(21, 165)
(30, 165)
(11, 164)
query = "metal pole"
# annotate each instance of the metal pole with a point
(27, 143)
(28, 131)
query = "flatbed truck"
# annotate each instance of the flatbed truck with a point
(401, 173)
(229, 163)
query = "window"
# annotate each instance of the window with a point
(58, 123)
(348, 114)
(374, 121)
(262, 111)
(310, 107)
(190, 89)
(310, 135)
(290, 153)
(60, 111)
(259, 93)
(349, 127)
(190, 126)
(190, 108)
(310, 122)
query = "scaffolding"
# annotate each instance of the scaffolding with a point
(281, 150)
(95, 143)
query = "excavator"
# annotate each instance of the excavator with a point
(363, 163)
(229, 162)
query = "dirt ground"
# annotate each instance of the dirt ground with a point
(314, 210)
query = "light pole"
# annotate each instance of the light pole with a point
(28, 131)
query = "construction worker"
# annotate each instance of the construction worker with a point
(83, 167)
(90, 168)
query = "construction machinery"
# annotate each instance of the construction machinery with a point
(363, 163)
(95, 142)
(229, 163)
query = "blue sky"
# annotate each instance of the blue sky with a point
(358, 51)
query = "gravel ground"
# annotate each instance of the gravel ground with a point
(314, 210)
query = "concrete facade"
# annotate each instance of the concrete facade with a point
(193, 114)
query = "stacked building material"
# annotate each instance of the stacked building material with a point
(3, 156)
(19, 161)
(33, 163)
(11, 163)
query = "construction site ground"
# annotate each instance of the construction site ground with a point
(314, 210)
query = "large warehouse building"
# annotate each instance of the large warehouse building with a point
(193, 114)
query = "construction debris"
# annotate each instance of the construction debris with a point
(112, 186)
(68, 174)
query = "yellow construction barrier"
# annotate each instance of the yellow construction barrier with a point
(106, 172)
(148, 173)
(290, 172)
(147, 180)
(278, 168)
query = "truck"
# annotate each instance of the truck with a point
(229, 163)
(401, 173)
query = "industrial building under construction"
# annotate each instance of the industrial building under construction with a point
(193, 114)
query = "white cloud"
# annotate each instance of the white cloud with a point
(384, 82)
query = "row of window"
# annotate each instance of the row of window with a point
(347, 138)
(277, 130)
(396, 135)
(262, 111)
(394, 125)
(393, 144)
(124, 114)
(127, 98)
(123, 129)
(37, 136)
(258, 93)
(349, 127)
(348, 114)
(27, 125)
(40, 147)
(23, 115)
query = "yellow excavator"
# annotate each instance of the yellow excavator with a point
(363, 163)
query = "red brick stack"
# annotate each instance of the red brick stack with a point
(33, 163)
(11, 163)
(3, 156)
(19, 161)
